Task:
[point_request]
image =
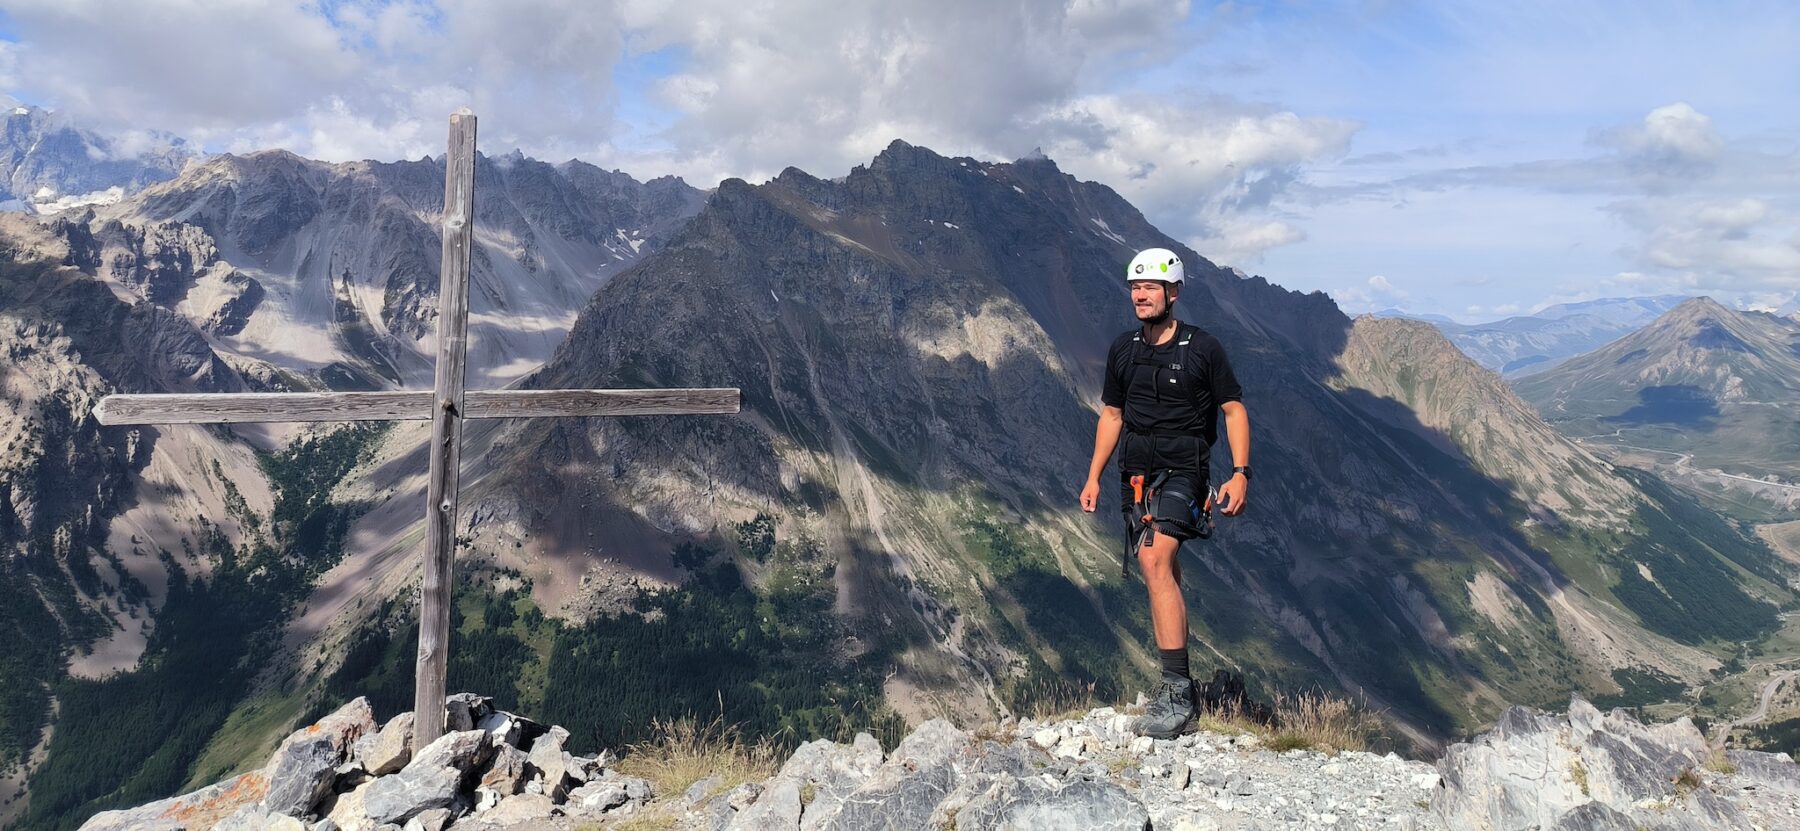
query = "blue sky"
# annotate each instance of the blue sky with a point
(1469, 159)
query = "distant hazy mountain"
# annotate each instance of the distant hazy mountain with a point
(1703, 380)
(1527, 344)
(1790, 308)
(48, 164)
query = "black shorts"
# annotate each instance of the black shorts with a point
(1178, 508)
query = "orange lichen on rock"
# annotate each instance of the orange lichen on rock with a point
(211, 805)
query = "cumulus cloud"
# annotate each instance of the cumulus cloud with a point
(351, 80)
(1672, 140)
(1738, 245)
(1208, 169)
(741, 89)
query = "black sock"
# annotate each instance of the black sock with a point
(1175, 661)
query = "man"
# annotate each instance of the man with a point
(1165, 384)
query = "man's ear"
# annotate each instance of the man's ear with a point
(1173, 290)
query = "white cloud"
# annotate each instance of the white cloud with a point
(373, 80)
(1672, 141)
(749, 89)
(1729, 246)
(1207, 170)
(1380, 286)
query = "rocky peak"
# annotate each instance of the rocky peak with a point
(48, 164)
(337, 263)
(1585, 772)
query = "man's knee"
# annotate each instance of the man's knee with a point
(1158, 560)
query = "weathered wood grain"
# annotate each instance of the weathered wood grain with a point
(237, 407)
(446, 432)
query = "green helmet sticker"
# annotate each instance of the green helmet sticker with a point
(1165, 266)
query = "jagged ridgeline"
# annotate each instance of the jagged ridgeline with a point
(888, 531)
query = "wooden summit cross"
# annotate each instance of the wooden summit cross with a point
(446, 406)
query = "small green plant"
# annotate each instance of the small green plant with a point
(1579, 773)
(1286, 740)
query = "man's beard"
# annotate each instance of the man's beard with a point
(1159, 317)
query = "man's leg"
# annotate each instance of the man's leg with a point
(1162, 575)
(1171, 709)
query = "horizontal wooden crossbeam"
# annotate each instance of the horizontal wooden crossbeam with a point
(221, 408)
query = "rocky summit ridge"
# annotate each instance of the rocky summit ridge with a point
(1583, 771)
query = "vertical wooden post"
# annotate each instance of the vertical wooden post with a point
(446, 431)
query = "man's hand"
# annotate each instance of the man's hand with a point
(1090, 495)
(1231, 495)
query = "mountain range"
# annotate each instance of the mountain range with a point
(1527, 344)
(886, 533)
(1707, 394)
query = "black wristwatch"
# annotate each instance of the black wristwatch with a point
(1244, 470)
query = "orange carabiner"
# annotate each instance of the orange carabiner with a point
(1137, 489)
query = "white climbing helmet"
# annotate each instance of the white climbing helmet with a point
(1158, 264)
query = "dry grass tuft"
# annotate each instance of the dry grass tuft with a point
(1059, 700)
(680, 753)
(1317, 720)
(1718, 762)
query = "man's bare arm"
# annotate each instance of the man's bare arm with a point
(1106, 437)
(1237, 430)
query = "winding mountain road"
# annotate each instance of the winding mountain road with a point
(1772, 686)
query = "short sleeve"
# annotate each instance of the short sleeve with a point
(1112, 393)
(1224, 381)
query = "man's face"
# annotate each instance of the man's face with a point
(1151, 298)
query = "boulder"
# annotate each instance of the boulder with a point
(432, 779)
(550, 759)
(1770, 771)
(436, 819)
(1030, 804)
(390, 749)
(777, 809)
(505, 727)
(200, 809)
(1537, 771)
(254, 818)
(463, 711)
(301, 771)
(519, 808)
(507, 773)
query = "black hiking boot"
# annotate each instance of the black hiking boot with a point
(1171, 711)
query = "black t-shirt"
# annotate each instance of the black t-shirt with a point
(1171, 415)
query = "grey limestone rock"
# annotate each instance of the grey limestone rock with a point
(389, 750)
(436, 819)
(777, 809)
(1012, 804)
(1774, 771)
(508, 771)
(519, 808)
(463, 711)
(302, 770)
(210, 804)
(549, 758)
(433, 779)
(1536, 771)
(251, 818)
